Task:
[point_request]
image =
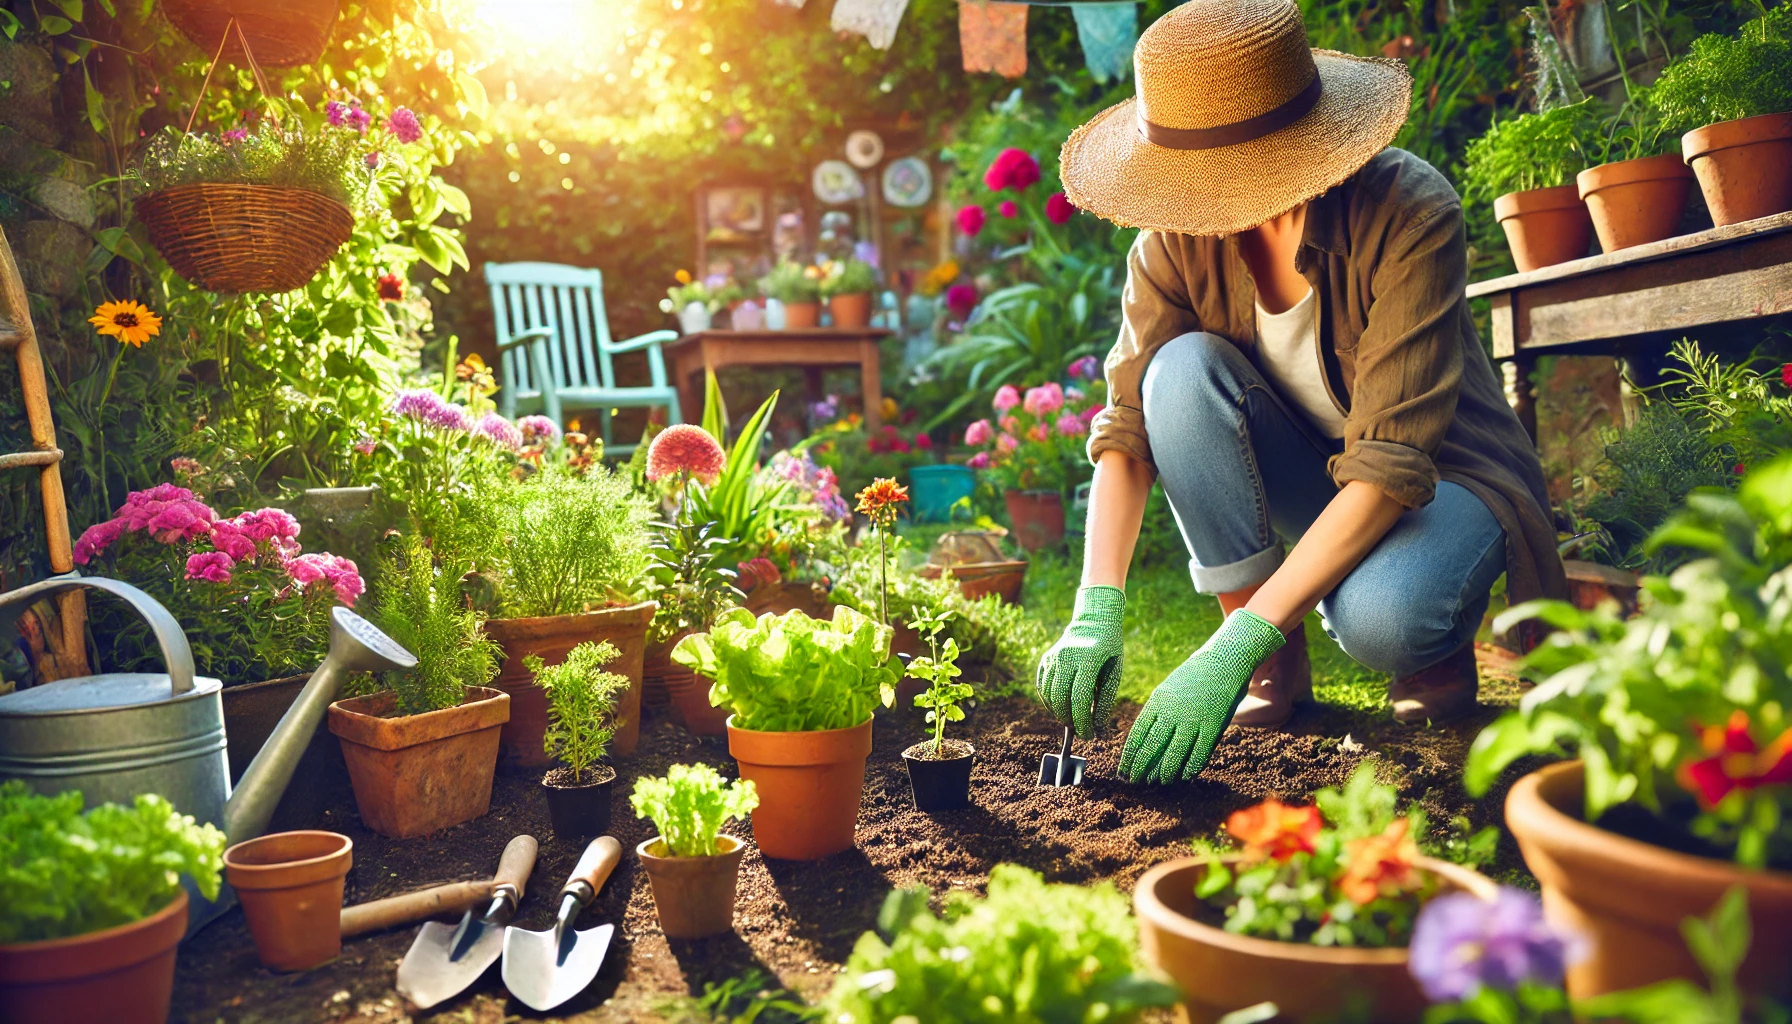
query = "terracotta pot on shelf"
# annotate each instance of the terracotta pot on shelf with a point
(1220, 972)
(1629, 897)
(801, 315)
(550, 638)
(577, 809)
(1037, 518)
(809, 787)
(940, 784)
(415, 774)
(1634, 202)
(694, 896)
(851, 311)
(1545, 226)
(1744, 166)
(290, 885)
(116, 974)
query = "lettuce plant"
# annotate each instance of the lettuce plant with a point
(792, 673)
(689, 806)
(581, 703)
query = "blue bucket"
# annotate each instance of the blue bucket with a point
(936, 488)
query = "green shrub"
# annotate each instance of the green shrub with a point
(570, 542)
(848, 277)
(789, 282)
(692, 587)
(419, 605)
(65, 873)
(690, 805)
(791, 673)
(1722, 78)
(581, 703)
(1649, 468)
(1531, 151)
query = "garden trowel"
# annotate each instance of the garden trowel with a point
(447, 958)
(545, 969)
(1062, 768)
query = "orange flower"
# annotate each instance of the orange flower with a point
(1275, 829)
(879, 500)
(682, 277)
(129, 321)
(1380, 865)
(1735, 761)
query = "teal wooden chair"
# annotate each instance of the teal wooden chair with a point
(555, 349)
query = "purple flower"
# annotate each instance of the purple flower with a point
(431, 409)
(1461, 943)
(1086, 368)
(404, 125)
(865, 252)
(359, 119)
(827, 410)
(499, 431)
(538, 428)
(337, 112)
(210, 566)
(234, 135)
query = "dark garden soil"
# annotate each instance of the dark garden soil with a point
(798, 921)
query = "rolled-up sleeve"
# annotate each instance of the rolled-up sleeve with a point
(1408, 361)
(1155, 308)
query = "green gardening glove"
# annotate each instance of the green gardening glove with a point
(1079, 678)
(1183, 719)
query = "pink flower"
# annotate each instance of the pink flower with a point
(232, 543)
(1011, 424)
(1074, 394)
(499, 431)
(978, 434)
(372, 161)
(685, 448)
(342, 575)
(924, 441)
(1039, 432)
(366, 446)
(337, 112)
(1009, 209)
(97, 538)
(210, 566)
(168, 513)
(979, 461)
(264, 529)
(185, 466)
(758, 572)
(267, 524)
(1045, 399)
(1071, 425)
(1059, 209)
(1086, 368)
(1007, 443)
(961, 299)
(234, 135)
(1012, 168)
(1786, 375)
(1007, 397)
(404, 125)
(427, 407)
(1088, 415)
(971, 219)
(538, 428)
(359, 119)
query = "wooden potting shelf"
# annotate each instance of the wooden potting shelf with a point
(1644, 295)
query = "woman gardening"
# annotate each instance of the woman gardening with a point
(1296, 363)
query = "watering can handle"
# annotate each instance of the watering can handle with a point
(177, 655)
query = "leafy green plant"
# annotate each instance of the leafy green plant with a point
(581, 704)
(66, 873)
(1745, 414)
(571, 541)
(1531, 151)
(848, 277)
(326, 159)
(692, 587)
(1648, 469)
(938, 668)
(750, 998)
(791, 282)
(1030, 953)
(689, 806)
(791, 673)
(745, 505)
(418, 603)
(1723, 77)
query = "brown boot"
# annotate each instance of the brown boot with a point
(1437, 693)
(1278, 684)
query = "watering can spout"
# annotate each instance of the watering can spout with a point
(356, 645)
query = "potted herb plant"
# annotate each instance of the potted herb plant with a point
(421, 753)
(796, 290)
(95, 910)
(1032, 454)
(1312, 913)
(939, 770)
(691, 866)
(802, 692)
(848, 286)
(1732, 95)
(692, 589)
(1637, 193)
(581, 699)
(1679, 718)
(1526, 166)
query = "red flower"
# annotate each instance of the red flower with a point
(758, 572)
(970, 220)
(961, 299)
(1735, 761)
(1009, 209)
(1740, 469)
(1012, 168)
(391, 288)
(923, 442)
(1275, 829)
(1786, 375)
(1059, 209)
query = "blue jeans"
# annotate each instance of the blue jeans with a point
(1243, 472)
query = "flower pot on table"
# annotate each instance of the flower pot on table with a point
(1634, 202)
(116, 974)
(579, 807)
(290, 885)
(809, 786)
(1037, 518)
(934, 489)
(415, 774)
(694, 896)
(1219, 972)
(801, 315)
(550, 638)
(940, 783)
(694, 317)
(245, 238)
(1545, 226)
(849, 311)
(1628, 897)
(1744, 166)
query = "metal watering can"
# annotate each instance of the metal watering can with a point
(116, 735)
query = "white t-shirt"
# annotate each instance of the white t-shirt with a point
(1288, 354)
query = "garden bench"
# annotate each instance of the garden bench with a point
(555, 349)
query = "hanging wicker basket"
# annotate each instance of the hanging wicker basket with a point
(282, 35)
(245, 238)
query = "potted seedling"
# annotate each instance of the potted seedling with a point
(581, 700)
(939, 770)
(802, 692)
(692, 589)
(847, 285)
(796, 290)
(1526, 166)
(95, 910)
(691, 866)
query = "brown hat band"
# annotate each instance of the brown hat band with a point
(1248, 130)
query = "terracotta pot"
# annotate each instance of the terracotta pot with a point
(1220, 972)
(689, 693)
(290, 885)
(1591, 584)
(118, 974)
(1629, 897)
(655, 663)
(980, 579)
(1037, 518)
(779, 598)
(1744, 166)
(578, 809)
(1634, 202)
(809, 787)
(851, 311)
(419, 773)
(943, 784)
(694, 896)
(801, 315)
(549, 638)
(1544, 226)
(250, 713)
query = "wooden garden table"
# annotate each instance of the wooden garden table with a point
(1644, 295)
(810, 349)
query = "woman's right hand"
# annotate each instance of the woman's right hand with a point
(1079, 678)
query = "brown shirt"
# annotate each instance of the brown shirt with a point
(1387, 260)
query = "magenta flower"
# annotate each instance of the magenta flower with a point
(1007, 443)
(971, 220)
(538, 428)
(404, 125)
(97, 538)
(210, 566)
(1059, 209)
(499, 431)
(978, 433)
(961, 299)
(234, 135)
(1009, 209)
(1086, 368)
(264, 529)
(979, 461)
(1071, 425)
(359, 119)
(341, 574)
(1007, 397)
(1045, 399)
(372, 161)
(168, 513)
(366, 446)
(337, 113)
(1011, 169)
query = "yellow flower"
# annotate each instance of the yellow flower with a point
(939, 278)
(478, 376)
(889, 409)
(129, 321)
(682, 277)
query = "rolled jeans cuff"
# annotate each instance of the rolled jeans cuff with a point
(1239, 575)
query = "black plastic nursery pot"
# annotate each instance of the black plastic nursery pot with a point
(944, 783)
(579, 808)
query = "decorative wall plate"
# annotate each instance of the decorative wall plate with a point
(864, 149)
(835, 182)
(908, 182)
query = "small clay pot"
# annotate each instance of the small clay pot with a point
(689, 693)
(415, 774)
(809, 787)
(117, 974)
(801, 315)
(942, 784)
(1545, 226)
(851, 311)
(1037, 518)
(1634, 202)
(550, 637)
(579, 809)
(290, 885)
(1744, 166)
(694, 896)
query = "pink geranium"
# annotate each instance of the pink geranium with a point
(1059, 209)
(342, 575)
(1011, 169)
(1007, 443)
(1071, 425)
(978, 433)
(210, 566)
(979, 461)
(404, 125)
(1045, 399)
(1007, 397)
(971, 220)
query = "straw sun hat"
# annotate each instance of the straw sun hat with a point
(1236, 120)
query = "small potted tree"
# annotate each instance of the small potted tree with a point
(1526, 166)
(691, 866)
(939, 770)
(581, 699)
(693, 588)
(796, 290)
(848, 286)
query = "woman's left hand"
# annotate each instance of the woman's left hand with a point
(1176, 732)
